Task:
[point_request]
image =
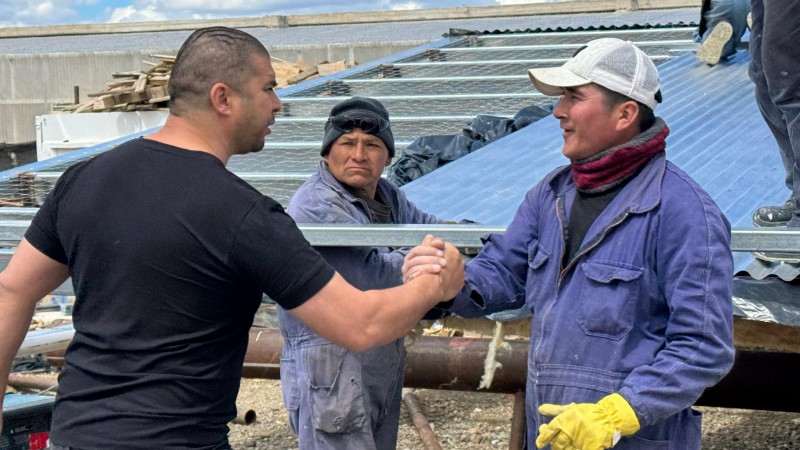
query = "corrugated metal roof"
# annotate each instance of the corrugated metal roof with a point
(717, 136)
(326, 34)
(435, 88)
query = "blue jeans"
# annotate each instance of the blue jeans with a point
(716, 11)
(775, 71)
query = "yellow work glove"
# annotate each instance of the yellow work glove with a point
(587, 426)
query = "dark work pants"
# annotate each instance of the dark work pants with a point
(775, 71)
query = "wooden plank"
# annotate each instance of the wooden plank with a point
(327, 69)
(103, 103)
(121, 90)
(141, 83)
(156, 92)
(166, 58)
(765, 336)
(302, 76)
(84, 107)
(130, 97)
(135, 73)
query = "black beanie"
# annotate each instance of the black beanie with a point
(362, 108)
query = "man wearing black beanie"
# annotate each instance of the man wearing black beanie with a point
(335, 398)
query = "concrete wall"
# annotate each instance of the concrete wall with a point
(35, 82)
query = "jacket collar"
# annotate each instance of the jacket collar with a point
(641, 194)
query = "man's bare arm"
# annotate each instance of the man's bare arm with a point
(29, 276)
(358, 320)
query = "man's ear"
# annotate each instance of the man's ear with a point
(627, 114)
(222, 98)
(388, 162)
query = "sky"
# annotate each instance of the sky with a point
(66, 12)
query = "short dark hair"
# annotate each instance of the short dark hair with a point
(647, 116)
(209, 56)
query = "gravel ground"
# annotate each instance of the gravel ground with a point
(479, 420)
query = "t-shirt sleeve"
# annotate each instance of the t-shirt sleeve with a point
(43, 231)
(271, 249)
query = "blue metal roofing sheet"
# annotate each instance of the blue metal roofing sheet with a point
(717, 136)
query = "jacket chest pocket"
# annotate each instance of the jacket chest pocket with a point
(607, 299)
(536, 283)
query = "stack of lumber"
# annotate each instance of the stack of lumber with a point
(146, 89)
(140, 90)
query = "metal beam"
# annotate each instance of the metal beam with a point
(338, 98)
(497, 62)
(588, 33)
(575, 45)
(777, 239)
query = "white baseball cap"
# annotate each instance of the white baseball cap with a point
(615, 64)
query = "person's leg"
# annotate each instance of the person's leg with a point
(780, 59)
(777, 215)
(389, 386)
(717, 35)
(738, 20)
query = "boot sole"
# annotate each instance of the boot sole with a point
(762, 223)
(710, 50)
(791, 258)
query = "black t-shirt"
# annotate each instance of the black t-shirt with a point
(169, 255)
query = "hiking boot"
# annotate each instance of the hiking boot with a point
(777, 216)
(774, 216)
(710, 50)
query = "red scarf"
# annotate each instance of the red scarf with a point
(602, 171)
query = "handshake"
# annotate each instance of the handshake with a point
(439, 259)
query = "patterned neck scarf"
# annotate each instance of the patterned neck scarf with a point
(601, 172)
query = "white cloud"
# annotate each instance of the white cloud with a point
(522, 2)
(131, 14)
(44, 12)
(50, 12)
(406, 6)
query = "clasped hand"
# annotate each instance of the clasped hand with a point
(435, 256)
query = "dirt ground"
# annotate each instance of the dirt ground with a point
(479, 420)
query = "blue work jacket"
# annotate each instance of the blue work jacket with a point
(323, 199)
(364, 411)
(643, 308)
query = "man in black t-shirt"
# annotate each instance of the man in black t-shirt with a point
(169, 255)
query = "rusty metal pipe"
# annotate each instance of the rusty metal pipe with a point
(244, 416)
(429, 439)
(516, 440)
(452, 363)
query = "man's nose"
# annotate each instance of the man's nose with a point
(361, 151)
(560, 110)
(276, 103)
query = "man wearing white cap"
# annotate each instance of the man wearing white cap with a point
(624, 262)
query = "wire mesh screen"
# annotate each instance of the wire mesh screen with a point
(399, 86)
(497, 105)
(403, 129)
(457, 84)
